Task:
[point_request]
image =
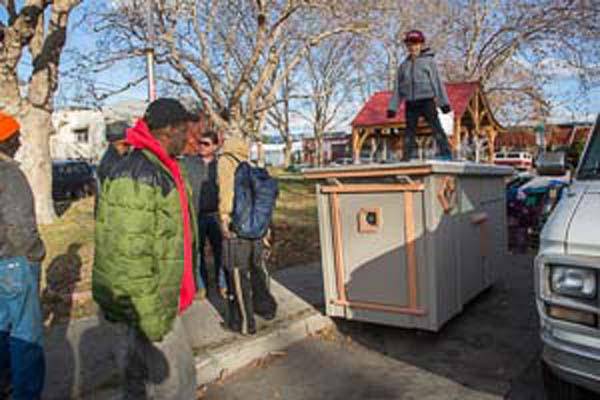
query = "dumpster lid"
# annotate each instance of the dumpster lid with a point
(412, 168)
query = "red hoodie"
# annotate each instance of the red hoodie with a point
(140, 138)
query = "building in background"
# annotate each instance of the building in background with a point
(336, 146)
(569, 137)
(79, 135)
(274, 153)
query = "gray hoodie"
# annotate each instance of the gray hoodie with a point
(418, 79)
(19, 236)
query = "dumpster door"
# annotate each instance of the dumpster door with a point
(378, 231)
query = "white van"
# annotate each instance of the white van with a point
(520, 160)
(566, 283)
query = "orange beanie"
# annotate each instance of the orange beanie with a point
(8, 126)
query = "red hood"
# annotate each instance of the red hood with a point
(140, 138)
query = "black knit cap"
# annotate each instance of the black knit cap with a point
(165, 112)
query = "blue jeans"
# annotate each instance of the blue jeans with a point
(208, 227)
(21, 351)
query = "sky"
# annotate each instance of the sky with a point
(569, 104)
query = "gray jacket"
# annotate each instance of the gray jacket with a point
(203, 181)
(19, 236)
(418, 80)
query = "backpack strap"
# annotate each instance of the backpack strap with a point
(231, 155)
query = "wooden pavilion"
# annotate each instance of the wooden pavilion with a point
(473, 121)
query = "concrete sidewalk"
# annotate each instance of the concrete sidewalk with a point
(489, 351)
(81, 361)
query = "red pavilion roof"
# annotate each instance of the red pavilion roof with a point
(373, 113)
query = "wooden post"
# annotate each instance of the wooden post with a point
(476, 111)
(355, 148)
(457, 136)
(492, 139)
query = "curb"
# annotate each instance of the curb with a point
(212, 365)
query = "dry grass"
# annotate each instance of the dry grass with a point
(295, 224)
(67, 269)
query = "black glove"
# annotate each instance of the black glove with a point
(391, 113)
(445, 109)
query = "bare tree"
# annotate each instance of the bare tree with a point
(280, 116)
(227, 52)
(41, 27)
(506, 44)
(331, 86)
(511, 47)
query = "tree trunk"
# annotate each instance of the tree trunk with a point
(34, 156)
(320, 151)
(260, 153)
(287, 152)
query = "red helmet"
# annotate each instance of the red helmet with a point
(414, 36)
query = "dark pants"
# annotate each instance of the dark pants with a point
(208, 227)
(21, 352)
(156, 370)
(427, 109)
(248, 291)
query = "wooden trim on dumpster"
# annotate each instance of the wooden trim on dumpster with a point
(481, 219)
(411, 254)
(380, 307)
(424, 170)
(337, 246)
(373, 187)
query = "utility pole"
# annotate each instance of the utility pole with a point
(150, 53)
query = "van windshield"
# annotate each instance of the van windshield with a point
(590, 164)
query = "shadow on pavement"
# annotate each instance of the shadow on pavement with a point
(492, 345)
(334, 374)
(62, 276)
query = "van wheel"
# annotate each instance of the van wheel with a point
(558, 389)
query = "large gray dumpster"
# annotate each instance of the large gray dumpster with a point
(409, 244)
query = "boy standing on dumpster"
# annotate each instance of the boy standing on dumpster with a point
(418, 83)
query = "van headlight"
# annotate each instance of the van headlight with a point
(573, 281)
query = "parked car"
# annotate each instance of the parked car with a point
(520, 160)
(297, 168)
(552, 163)
(342, 161)
(72, 180)
(514, 183)
(566, 284)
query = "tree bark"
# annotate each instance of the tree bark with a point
(40, 26)
(287, 152)
(34, 155)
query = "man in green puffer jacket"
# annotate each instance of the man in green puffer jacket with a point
(143, 266)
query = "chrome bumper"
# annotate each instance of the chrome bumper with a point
(572, 363)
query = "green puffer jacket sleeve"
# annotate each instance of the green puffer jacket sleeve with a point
(139, 248)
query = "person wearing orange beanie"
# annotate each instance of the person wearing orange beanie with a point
(9, 135)
(21, 252)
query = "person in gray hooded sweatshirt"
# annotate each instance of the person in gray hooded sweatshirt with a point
(418, 82)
